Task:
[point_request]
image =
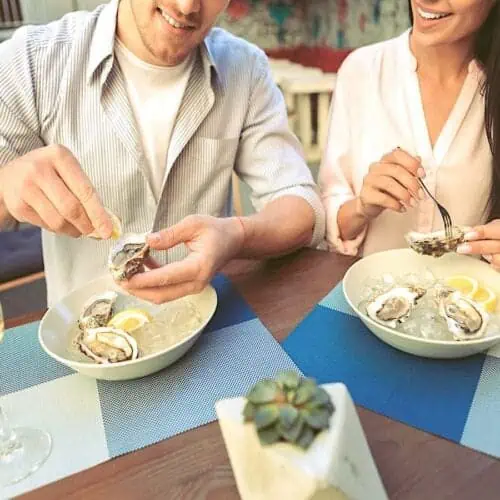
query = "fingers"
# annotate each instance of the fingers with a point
(48, 214)
(162, 295)
(151, 263)
(372, 196)
(79, 184)
(482, 247)
(186, 270)
(68, 206)
(411, 164)
(394, 189)
(173, 236)
(402, 176)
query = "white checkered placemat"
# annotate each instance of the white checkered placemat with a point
(93, 421)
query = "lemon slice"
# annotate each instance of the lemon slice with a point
(464, 284)
(487, 298)
(130, 319)
(117, 227)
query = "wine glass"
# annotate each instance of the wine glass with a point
(22, 450)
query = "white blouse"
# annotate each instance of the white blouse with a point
(377, 107)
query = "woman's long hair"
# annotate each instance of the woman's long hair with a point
(487, 54)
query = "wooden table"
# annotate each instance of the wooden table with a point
(194, 465)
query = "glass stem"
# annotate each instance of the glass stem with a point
(7, 436)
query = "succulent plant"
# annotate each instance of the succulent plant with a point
(290, 409)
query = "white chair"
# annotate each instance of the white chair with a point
(308, 93)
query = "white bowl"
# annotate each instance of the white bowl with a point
(56, 336)
(403, 261)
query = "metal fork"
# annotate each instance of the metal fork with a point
(448, 226)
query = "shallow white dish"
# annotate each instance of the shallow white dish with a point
(55, 333)
(402, 261)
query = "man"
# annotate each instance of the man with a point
(143, 108)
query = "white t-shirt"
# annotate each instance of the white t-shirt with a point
(155, 94)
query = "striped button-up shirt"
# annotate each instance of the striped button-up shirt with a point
(61, 84)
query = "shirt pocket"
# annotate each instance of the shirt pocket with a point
(213, 154)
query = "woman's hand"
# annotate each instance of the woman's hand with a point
(484, 240)
(392, 183)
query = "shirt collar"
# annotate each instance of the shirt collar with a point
(103, 41)
(102, 45)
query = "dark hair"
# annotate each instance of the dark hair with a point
(487, 54)
(491, 51)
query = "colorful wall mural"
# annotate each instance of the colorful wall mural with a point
(273, 24)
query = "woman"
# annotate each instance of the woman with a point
(408, 108)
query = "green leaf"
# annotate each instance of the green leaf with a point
(288, 415)
(249, 411)
(306, 437)
(290, 396)
(292, 433)
(263, 392)
(318, 418)
(266, 415)
(305, 392)
(269, 435)
(289, 379)
(320, 398)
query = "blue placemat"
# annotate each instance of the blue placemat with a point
(92, 421)
(456, 399)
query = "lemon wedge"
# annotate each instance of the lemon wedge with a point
(130, 319)
(117, 227)
(487, 298)
(464, 284)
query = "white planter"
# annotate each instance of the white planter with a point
(338, 465)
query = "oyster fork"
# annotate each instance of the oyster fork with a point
(448, 226)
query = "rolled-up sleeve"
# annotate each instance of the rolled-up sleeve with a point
(335, 176)
(270, 158)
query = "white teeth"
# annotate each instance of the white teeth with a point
(171, 21)
(430, 15)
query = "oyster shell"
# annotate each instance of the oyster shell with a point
(97, 310)
(127, 256)
(465, 318)
(435, 244)
(394, 306)
(108, 345)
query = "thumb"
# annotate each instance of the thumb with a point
(172, 236)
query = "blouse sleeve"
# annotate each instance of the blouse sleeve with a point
(336, 171)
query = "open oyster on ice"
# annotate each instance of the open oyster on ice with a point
(97, 311)
(435, 244)
(394, 306)
(108, 345)
(465, 318)
(127, 256)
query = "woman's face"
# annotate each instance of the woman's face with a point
(438, 22)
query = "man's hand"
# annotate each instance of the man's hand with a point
(212, 243)
(48, 188)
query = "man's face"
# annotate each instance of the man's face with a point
(169, 30)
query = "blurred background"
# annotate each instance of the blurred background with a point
(306, 41)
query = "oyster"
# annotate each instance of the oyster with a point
(465, 318)
(394, 306)
(127, 256)
(108, 345)
(435, 244)
(97, 311)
